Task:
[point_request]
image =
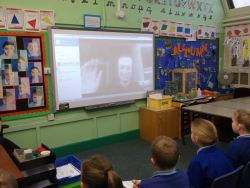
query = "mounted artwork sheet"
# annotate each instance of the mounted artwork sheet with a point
(172, 53)
(23, 87)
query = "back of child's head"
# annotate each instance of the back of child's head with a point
(97, 172)
(205, 131)
(165, 152)
(243, 117)
(7, 180)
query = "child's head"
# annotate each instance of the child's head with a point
(203, 132)
(165, 153)
(7, 180)
(97, 172)
(241, 121)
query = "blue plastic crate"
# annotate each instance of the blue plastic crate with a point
(64, 161)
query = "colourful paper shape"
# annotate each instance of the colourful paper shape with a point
(14, 20)
(179, 29)
(47, 20)
(187, 30)
(32, 23)
(164, 27)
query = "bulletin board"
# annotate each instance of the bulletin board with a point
(23, 85)
(174, 53)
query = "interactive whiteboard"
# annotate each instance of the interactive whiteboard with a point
(99, 67)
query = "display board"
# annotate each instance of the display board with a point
(23, 86)
(100, 67)
(173, 53)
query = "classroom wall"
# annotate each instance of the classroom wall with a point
(79, 126)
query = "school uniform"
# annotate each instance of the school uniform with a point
(166, 179)
(238, 150)
(209, 163)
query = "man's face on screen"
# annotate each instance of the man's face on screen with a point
(125, 70)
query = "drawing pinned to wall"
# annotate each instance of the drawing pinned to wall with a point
(206, 32)
(8, 48)
(246, 53)
(24, 88)
(2, 18)
(187, 30)
(15, 18)
(9, 77)
(22, 61)
(32, 20)
(37, 97)
(179, 29)
(164, 28)
(146, 24)
(8, 102)
(172, 29)
(33, 48)
(35, 70)
(46, 19)
(155, 27)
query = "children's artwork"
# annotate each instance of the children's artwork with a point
(180, 54)
(1, 86)
(8, 48)
(192, 37)
(246, 53)
(37, 97)
(22, 85)
(164, 28)
(35, 70)
(32, 45)
(8, 103)
(9, 77)
(2, 18)
(46, 19)
(172, 29)
(22, 61)
(201, 32)
(31, 20)
(146, 24)
(24, 88)
(155, 27)
(179, 29)
(187, 30)
(245, 29)
(15, 18)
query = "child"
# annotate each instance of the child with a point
(238, 151)
(7, 180)
(210, 162)
(165, 154)
(97, 172)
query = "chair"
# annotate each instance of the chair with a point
(245, 178)
(229, 180)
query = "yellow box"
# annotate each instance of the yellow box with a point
(159, 104)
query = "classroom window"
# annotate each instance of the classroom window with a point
(238, 3)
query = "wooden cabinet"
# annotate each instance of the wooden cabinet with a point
(161, 122)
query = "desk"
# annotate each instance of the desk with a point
(221, 108)
(224, 109)
(8, 164)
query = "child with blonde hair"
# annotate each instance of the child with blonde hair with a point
(97, 172)
(210, 162)
(238, 150)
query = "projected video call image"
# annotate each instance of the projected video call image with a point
(101, 67)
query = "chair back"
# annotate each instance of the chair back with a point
(229, 180)
(245, 178)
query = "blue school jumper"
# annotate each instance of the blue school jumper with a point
(166, 179)
(238, 150)
(209, 163)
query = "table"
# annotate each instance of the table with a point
(8, 164)
(224, 109)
